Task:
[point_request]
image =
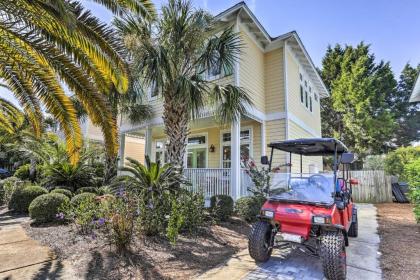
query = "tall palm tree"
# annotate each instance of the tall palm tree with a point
(47, 43)
(172, 53)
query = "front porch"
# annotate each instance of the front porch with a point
(213, 159)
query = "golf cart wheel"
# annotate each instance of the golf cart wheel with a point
(333, 255)
(260, 242)
(354, 227)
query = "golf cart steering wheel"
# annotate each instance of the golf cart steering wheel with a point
(314, 179)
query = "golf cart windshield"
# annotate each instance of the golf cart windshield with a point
(303, 187)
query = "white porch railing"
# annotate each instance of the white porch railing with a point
(215, 181)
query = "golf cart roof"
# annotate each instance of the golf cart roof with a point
(310, 146)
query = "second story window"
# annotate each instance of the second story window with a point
(316, 97)
(310, 103)
(306, 99)
(301, 93)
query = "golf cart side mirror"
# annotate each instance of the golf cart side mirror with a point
(354, 181)
(264, 160)
(347, 158)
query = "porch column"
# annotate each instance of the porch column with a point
(148, 144)
(121, 150)
(235, 142)
(263, 140)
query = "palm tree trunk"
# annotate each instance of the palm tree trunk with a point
(175, 118)
(111, 163)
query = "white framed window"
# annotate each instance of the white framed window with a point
(245, 142)
(306, 93)
(316, 97)
(197, 151)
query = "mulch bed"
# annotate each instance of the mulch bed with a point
(149, 257)
(400, 241)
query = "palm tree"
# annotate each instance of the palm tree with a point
(171, 54)
(45, 43)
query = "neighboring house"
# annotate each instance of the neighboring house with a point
(415, 95)
(286, 90)
(133, 145)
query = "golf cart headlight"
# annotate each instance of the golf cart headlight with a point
(267, 213)
(322, 220)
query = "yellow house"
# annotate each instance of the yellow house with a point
(286, 91)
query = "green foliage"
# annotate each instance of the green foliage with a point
(407, 115)
(45, 207)
(9, 186)
(105, 190)
(66, 192)
(358, 112)
(120, 217)
(374, 162)
(22, 198)
(23, 172)
(69, 175)
(249, 207)
(396, 160)
(259, 176)
(88, 190)
(79, 198)
(221, 207)
(82, 211)
(187, 214)
(412, 175)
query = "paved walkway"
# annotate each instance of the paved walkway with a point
(23, 258)
(362, 258)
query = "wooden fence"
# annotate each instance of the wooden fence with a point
(374, 186)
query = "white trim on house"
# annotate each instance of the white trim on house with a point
(198, 146)
(415, 95)
(286, 92)
(303, 125)
(229, 143)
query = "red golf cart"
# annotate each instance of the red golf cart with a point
(312, 212)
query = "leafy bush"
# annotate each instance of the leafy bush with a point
(119, 219)
(187, 213)
(88, 190)
(71, 176)
(66, 192)
(374, 162)
(45, 207)
(221, 207)
(84, 210)
(259, 176)
(105, 190)
(23, 172)
(249, 207)
(79, 198)
(412, 174)
(395, 161)
(9, 186)
(22, 197)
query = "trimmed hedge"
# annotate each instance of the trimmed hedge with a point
(66, 192)
(45, 207)
(77, 199)
(221, 207)
(249, 207)
(22, 198)
(87, 190)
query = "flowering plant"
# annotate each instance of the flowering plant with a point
(259, 176)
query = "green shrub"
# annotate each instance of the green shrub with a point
(396, 160)
(105, 190)
(119, 220)
(412, 175)
(249, 207)
(45, 207)
(22, 197)
(66, 192)
(87, 190)
(9, 186)
(78, 198)
(23, 172)
(221, 207)
(83, 211)
(187, 213)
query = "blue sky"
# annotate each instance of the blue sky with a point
(391, 27)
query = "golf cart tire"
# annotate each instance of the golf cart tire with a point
(257, 241)
(333, 255)
(354, 227)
